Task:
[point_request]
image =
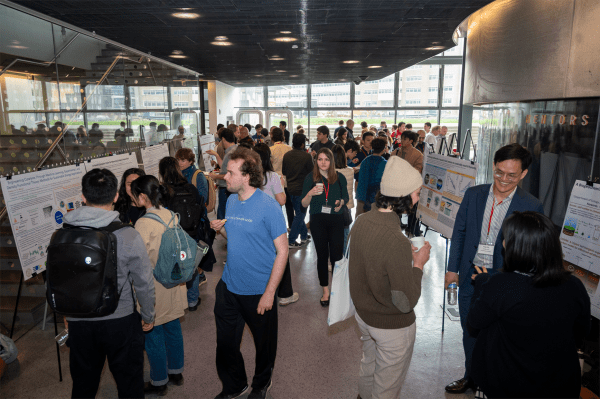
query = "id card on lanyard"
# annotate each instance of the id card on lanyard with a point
(488, 247)
(326, 208)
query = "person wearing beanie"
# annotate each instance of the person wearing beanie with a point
(385, 273)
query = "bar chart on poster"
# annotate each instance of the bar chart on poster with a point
(445, 181)
(37, 203)
(580, 238)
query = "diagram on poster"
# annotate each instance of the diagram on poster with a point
(36, 203)
(151, 156)
(117, 164)
(580, 233)
(445, 181)
(207, 142)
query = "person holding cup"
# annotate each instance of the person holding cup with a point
(385, 273)
(326, 192)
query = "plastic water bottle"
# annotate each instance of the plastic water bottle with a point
(452, 294)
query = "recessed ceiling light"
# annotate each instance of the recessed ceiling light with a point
(258, 76)
(221, 43)
(351, 62)
(178, 56)
(285, 39)
(239, 83)
(435, 48)
(293, 76)
(285, 32)
(342, 80)
(186, 15)
(221, 38)
(177, 52)
(375, 66)
(280, 71)
(276, 59)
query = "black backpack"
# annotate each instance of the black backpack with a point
(81, 271)
(183, 202)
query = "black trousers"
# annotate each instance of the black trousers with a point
(232, 313)
(285, 285)
(119, 340)
(414, 226)
(289, 208)
(328, 236)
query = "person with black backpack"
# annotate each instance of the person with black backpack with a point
(95, 252)
(183, 199)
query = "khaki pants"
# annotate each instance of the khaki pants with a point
(385, 361)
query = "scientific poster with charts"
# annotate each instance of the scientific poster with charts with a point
(207, 142)
(580, 238)
(36, 204)
(445, 180)
(117, 164)
(151, 156)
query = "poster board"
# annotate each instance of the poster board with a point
(117, 164)
(36, 203)
(580, 238)
(207, 142)
(445, 180)
(151, 156)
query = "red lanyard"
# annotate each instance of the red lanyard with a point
(492, 214)
(326, 191)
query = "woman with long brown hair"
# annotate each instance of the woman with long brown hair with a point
(325, 190)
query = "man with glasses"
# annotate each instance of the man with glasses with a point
(421, 143)
(477, 235)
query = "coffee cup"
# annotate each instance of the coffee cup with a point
(319, 187)
(417, 242)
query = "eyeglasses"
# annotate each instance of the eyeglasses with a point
(506, 176)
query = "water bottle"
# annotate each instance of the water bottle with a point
(61, 338)
(452, 294)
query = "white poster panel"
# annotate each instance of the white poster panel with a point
(117, 164)
(207, 142)
(151, 156)
(36, 204)
(445, 180)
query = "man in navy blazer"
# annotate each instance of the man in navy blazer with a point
(477, 235)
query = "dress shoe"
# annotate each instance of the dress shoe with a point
(261, 393)
(176, 379)
(160, 390)
(460, 386)
(233, 395)
(324, 303)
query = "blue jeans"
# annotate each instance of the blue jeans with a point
(193, 292)
(346, 233)
(298, 225)
(223, 195)
(164, 346)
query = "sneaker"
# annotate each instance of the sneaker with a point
(288, 300)
(261, 393)
(306, 240)
(160, 390)
(176, 379)
(233, 395)
(203, 280)
(295, 245)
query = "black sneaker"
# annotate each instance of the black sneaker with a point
(233, 395)
(176, 379)
(160, 390)
(295, 245)
(202, 280)
(307, 239)
(261, 393)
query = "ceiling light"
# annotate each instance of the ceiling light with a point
(221, 43)
(177, 56)
(221, 38)
(293, 76)
(258, 76)
(285, 39)
(375, 66)
(276, 59)
(351, 62)
(285, 32)
(435, 48)
(280, 71)
(186, 15)
(342, 80)
(177, 52)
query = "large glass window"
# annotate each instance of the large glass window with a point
(419, 86)
(251, 97)
(373, 117)
(153, 97)
(376, 93)
(417, 117)
(287, 96)
(185, 98)
(105, 97)
(452, 75)
(330, 95)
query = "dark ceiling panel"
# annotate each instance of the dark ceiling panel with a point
(392, 34)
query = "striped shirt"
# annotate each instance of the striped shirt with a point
(494, 223)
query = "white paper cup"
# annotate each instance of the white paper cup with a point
(319, 187)
(418, 242)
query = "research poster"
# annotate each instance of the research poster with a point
(117, 164)
(445, 180)
(207, 142)
(37, 203)
(151, 156)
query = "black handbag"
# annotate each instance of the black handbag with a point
(345, 211)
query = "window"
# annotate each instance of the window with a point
(290, 96)
(447, 101)
(386, 91)
(181, 104)
(447, 88)
(413, 90)
(448, 76)
(155, 104)
(180, 91)
(357, 92)
(412, 102)
(433, 77)
(154, 92)
(433, 89)
(415, 67)
(413, 78)
(432, 101)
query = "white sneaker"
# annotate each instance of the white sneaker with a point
(287, 301)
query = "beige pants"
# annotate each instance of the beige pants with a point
(385, 361)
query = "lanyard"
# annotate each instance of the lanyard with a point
(492, 214)
(326, 191)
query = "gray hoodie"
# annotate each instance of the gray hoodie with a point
(132, 259)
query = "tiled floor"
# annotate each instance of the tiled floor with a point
(313, 360)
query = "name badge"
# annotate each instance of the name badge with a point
(326, 209)
(485, 249)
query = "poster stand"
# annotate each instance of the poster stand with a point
(464, 150)
(12, 328)
(445, 271)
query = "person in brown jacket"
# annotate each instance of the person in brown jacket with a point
(385, 273)
(408, 152)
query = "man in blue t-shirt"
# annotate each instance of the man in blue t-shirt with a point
(246, 292)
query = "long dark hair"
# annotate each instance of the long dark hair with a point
(532, 246)
(170, 175)
(124, 202)
(331, 173)
(265, 156)
(150, 186)
(341, 161)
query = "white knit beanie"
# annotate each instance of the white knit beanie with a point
(399, 178)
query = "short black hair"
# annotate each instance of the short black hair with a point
(257, 127)
(298, 140)
(378, 145)
(277, 135)
(351, 145)
(364, 124)
(409, 126)
(514, 151)
(409, 135)
(428, 124)
(401, 123)
(367, 134)
(532, 245)
(149, 185)
(99, 187)
(284, 123)
(93, 125)
(248, 126)
(400, 205)
(227, 135)
(323, 130)
(220, 125)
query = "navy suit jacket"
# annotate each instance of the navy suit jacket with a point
(467, 231)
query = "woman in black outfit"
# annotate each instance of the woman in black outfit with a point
(529, 318)
(129, 212)
(325, 190)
